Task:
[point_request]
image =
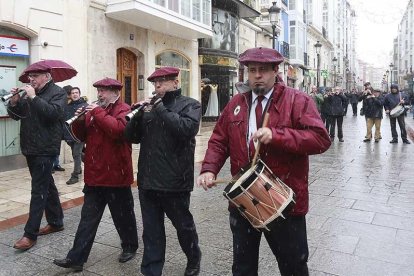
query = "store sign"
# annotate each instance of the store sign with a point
(14, 46)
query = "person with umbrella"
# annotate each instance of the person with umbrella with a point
(40, 109)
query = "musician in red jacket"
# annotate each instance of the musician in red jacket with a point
(108, 175)
(294, 131)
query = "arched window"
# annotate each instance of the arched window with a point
(171, 58)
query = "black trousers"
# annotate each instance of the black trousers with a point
(121, 205)
(154, 206)
(355, 109)
(332, 123)
(401, 124)
(288, 242)
(44, 196)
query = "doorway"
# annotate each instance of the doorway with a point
(127, 74)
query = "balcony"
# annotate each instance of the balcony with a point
(158, 18)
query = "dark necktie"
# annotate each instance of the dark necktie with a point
(259, 111)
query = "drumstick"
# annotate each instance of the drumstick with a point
(256, 154)
(221, 181)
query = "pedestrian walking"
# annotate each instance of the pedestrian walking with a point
(108, 175)
(76, 146)
(166, 129)
(40, 112)
(294, 132)
(391, 101)
(353, 100)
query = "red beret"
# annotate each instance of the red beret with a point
(108, 83)
(164, 72)
(262, 55)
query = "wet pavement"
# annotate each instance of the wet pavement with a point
(360, 222)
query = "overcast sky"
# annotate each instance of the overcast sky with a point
(377, 25)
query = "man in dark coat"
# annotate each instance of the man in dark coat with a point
(40, 113)
(337, 101)
(373, 104)
(166, 131)
(75, 102)
(353, 100)
(294, 131)
(391, 101)
(108, 175)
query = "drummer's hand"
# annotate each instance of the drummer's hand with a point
(387, 111)
(264, 135)
(206, 180)
(402, 101)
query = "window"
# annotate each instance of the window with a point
(186, 8)
(196, 10)
(292, 5)
(173, 5)
(170, 58)
(159, 2)
(207, 12)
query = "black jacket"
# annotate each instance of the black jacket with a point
(373, 106)
(167, 137)
(41, 121)
(69, 112)
(337, 104)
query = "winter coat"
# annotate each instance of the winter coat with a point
(167, 138)
(318, 99)
(353, 98)
(108, 160)
(69, 111)
(41, 120)
(297, 132)
(373, 106)
(337, 104)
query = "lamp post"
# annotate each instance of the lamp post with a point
(334, 61)
(387, 73)
(347, 79)
(317, 46)
(274, 12)
(391, 66)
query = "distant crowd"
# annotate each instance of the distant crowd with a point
(332, 104)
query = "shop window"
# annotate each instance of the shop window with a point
(171, 58)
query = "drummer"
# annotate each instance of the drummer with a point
(391, 101)
(295, 131)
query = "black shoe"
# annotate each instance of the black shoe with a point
(193, 270)
(341, 140)
(405, 141)
(72, 180)
(376, 140)
(394, 141)
(68, 263)
(58, 168)
(366, 140)
(126, 256)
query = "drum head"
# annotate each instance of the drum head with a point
(243, 179)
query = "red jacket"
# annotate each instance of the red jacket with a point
(108, 160)
(297, 131)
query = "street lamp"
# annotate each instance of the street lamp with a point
(347, 79)
(317, 46)
(334, 61)
(274, 12)
(387, 73)
(391, 66)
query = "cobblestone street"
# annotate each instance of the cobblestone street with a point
(360, 222)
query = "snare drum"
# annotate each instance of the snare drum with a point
(260, 196)
(397, 111)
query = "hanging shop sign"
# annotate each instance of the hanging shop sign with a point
(324, 74)
(218, 60)
(14, 46)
